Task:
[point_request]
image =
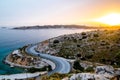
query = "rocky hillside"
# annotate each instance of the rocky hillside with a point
(97, 46)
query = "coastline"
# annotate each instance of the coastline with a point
(95, 35)
(47, 60)
(23, 75)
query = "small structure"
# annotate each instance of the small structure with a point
(16, 52)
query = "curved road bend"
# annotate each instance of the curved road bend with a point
(62, 66)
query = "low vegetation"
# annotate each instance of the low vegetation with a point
(55, 76)
(89, 69)
(45, 68)
(102, 46)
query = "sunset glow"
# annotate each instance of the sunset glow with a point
(110, 19)
(59, 12)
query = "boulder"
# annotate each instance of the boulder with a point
(87, 76)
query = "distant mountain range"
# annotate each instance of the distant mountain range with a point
(55, 26)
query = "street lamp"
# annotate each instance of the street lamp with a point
(26, 74)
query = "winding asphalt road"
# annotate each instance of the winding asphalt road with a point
(62, 66)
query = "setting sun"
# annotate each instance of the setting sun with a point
(110, 19)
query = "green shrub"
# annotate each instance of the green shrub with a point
(83, 33)
(32, 70)
(89, 69)
(96, 35)
(77, 66)
(56, 41)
